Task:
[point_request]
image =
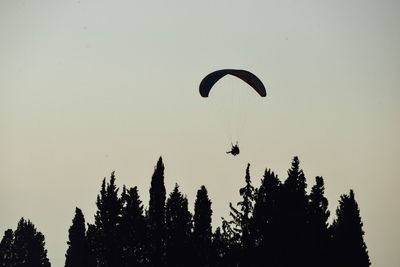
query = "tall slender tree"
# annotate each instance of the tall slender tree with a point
(156, 216)
(318, 215)
(29, 246)
(7, 249)
(267, 221)
(178, 230)
(239, 227)
(202, 231)
(133, 229)
(77, 253)
(294, 205)
(348, 243)
(108, 249)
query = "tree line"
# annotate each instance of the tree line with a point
(277, 224)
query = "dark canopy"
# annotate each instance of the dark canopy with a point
(208, 82)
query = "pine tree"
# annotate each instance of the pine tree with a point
(133, 229)
(318, 215)
(156, 216)
(7, 249)
(29, 246)
(108, 250)
(294, 205)
(178, 230)
(348, 242)
(267, 221)
(202, 231)
(77, 248)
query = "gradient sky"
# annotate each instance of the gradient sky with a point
(88, 87)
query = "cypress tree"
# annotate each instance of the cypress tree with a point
(108, 250)
(178, 230)
(93, 248)
(294, 223)
(318, 215)
(76, 255)
(156, 216)
(267, 221)
(348, 242)
(202, 231)
(7, 249)
(133, 229)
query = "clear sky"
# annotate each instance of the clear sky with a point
(88, 87)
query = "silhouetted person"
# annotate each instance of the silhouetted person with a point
(234, 150)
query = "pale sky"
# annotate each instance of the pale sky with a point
(88, 87)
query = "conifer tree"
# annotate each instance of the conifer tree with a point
(133, 229)
(29, 246)
(294, 223)
(218, 249)
(178, 230)
(239, 228)
(7, 249)
(348, 242)
(156, 216)
(93, 248)
(108, 250)
(76, 255)
(318, 215)
(202, 231)
(267, 221)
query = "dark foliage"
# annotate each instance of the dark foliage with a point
(178, 230)
(202, 231)
(277, 224)
(133, 229)
(156, 216)
(7, 249)
(76, 255)
(107, 246)
(267, 221)
(349, 248)
(294, 218)
(23, 247)
(318, 215)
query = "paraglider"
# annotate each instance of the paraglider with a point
(212, 78)
(234, 150)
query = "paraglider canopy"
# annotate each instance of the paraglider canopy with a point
(208, 82)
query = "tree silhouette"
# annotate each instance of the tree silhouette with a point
(178, 230)
(77, 254)
(218, 249)
(238, 228)
(267, 221)
(318, 215)
(349, 247)
(156, 216)
(7, 249)
(202, 231)
(294, 211)
(28, 246)
(91, 240)
(108, 248)
(133, 229)
(277, 225)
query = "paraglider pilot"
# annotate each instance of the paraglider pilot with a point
(234, 150)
